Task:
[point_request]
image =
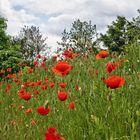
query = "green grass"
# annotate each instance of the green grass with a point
(100, 113)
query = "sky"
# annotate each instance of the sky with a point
(53, 16)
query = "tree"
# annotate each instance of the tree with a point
(80, 38)
(31, 41)
(4, 38)
(10, 54)
(133, 29)
(115, 37)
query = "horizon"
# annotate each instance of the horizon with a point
(52, 17)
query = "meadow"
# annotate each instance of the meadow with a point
(88, 97)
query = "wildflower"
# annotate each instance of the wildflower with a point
(26, 96)
(62, 96)
(29, 110)
(43, 64)
(10, 76)
(52, 85)
(35, 63)
(72, 105)
(96, 72)
(46, 69)
(16, 80)
(2, 71)
(38, 56)
(103, 78)
(44, 59)
(43, 111)
(69, 54)
(102, 54)
(7, 88)
(54, 58)
(62, 68)
(30, 70)
(62, 138)
(21, 91)
(38, 83)
(111, 66)
(62, 85)
(9, 69)
(1, 82)
(51, 134)
(46, 80)
(114, 81)
(44, 86)
(90, 50)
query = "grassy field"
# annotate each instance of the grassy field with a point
(76, 99)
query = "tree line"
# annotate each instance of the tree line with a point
(80, 38)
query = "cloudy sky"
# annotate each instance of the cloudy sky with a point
(52, 16)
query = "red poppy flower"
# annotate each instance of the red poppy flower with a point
(10, 76)
(72, 105)
(62, 85)
(102, 54)
(44, 59)
(51, 134)
(54, 58)
(38, 83)
(62, 68)
(90, 50)
(30, 70)
(16, 80)
(1, 82)
(111, 66)
(44, 86)
(45, 68)
(43, 111)
(9, 69)
(35, 63)
(114, 81)
(2, 71)
(21, 91)
(62, 96)
(43, 64)
(38, 56)
(69, 54)
(26, 96)
(52, 85)
(37, 92)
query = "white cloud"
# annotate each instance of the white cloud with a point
(55, 15)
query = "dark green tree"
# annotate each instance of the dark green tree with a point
(133, 29)
(115, 37)
(4, 38)
(10, 54)
(80, 38)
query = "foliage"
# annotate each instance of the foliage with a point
(80, 38)
(115, 37)
(133, 29)
(10, 54)
(99, 112)
(121, 32)
(99, 94)
(4, 38)
(31, 42)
